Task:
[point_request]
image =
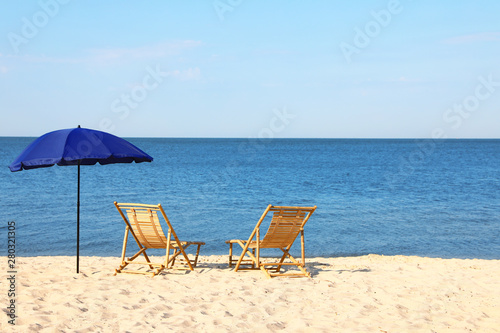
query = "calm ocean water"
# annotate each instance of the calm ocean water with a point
(409, 197)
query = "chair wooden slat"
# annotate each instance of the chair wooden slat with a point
(143, 223)
(286, 224)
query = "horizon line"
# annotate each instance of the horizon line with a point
(282, 138)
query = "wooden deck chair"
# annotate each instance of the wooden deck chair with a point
(143, 223)
(286, 224)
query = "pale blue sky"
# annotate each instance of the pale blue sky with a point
(241, 68)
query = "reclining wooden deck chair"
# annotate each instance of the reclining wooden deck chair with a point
(143, 223)
(285, 226)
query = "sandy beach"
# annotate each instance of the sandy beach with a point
(370, 293)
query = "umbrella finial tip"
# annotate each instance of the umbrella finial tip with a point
(79, 126)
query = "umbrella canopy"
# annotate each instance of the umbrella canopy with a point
(77, 146)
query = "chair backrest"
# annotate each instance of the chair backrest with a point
(145, 224)
(286, 224)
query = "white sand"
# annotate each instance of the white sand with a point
(357, 294)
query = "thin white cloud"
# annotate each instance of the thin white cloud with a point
(189, 74)
(144, 52)
(473, 38)
(118, 55)
(272, 52)
(401, 79)
(405, 79)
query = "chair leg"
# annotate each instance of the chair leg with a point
(147, 258)
(182, 249)
(125, 240)
(302, 246)
(125, 263)
(245, 250)
(167, 254)
(174, 255)
(300, 265)
(124, 250)
(281, 260)
(230, 255)
(197, 254)
(190, 263)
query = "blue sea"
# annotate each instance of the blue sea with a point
(435, 198)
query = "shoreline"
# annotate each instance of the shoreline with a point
(371, 293)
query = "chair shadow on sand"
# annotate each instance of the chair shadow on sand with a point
(316, 267)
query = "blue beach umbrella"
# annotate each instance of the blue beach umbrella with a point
(77, 146)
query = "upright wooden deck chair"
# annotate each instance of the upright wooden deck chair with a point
(143, 223)
(285, 226)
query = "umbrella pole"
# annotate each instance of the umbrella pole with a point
(78, 223)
